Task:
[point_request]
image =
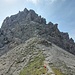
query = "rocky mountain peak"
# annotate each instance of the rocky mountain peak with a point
(26, 24)
(26, 10)
(22, 16)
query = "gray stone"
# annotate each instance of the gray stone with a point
(26, 24)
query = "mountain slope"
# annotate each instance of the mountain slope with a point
(26, 24)
(28, 58)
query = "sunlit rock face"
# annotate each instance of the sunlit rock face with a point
(18, 28)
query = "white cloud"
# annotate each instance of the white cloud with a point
(34, 1)
(9, 1)
(41, 1)
(53, 1)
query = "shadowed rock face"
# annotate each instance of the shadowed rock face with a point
(18, 28)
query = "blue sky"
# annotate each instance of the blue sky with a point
(56, 11)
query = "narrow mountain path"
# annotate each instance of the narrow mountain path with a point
(49, 69)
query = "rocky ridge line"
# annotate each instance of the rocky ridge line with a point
(18, 28)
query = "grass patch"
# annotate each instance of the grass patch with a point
(35, 67)
(57, 71)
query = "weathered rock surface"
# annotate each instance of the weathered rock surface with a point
(12, 62)
(18, 28)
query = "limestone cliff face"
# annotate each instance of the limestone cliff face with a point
(18, 28)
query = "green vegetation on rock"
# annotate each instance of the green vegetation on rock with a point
(57, 71)
(35, 67)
